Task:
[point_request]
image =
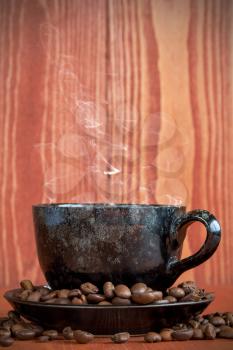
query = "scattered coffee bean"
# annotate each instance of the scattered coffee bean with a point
(217, 321)
(229, 318)
(120, 338)
(14, 315)
(51, 333)
(183, 334)
(209, 331)
(139, 288)
(82, 337)
(197, 334)
(68, 333)
(122, 291)
(37, 329)
(43, 338)
(194, 324)
(176, 292)
(121, 301)
(166, 334)
(16, 328)
(6, 341)
(226, 332)
(152, 337)
(27, 285)
(143, 298)
(95, 298)
(108, 289)
(88, 288)
(4, 332)
(25, 334)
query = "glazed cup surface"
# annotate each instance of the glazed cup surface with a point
(122, 243)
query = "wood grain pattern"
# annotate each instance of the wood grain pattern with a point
(118, 101)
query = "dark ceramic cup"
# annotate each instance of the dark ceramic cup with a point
(122, 243)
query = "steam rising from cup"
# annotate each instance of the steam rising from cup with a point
(97, 158)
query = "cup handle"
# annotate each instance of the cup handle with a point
(213, 236)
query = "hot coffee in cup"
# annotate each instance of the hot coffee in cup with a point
(122, 243)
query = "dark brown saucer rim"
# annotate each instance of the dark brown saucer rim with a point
(9, 296)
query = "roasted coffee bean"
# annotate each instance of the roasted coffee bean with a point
(209, 331)
(171, 299)
(68, 333)
(24, 294)
(82, 337)
(50, 301)
(120, 301)
(194, 324)
(51, 333)
(197, 334)
(182, 334)
(75, 293)
(120, 338)
(62, 301)
(43, 290)
(27, 285)
(37, 329)
(148, 289)
(108, 289)
(176, 292)
(77, 301)
(179, 326)
(63, 293)
(162, 302)
(217, 321)
(190, 297)
(34, 296)
(152, 337)
(7, 324)
(138, 288)
(95, 298)
(6, 341)
(14, 315)
(209, 296)
(4, 332)
(43, 338)
(49, 296)
(105, 302)
(143, 298)
(88, 288)
(157, 294)
(17, 327)
(166, 334)
(226, 332)
(228, 316)
(122, 291)
(25, 334)
(188, 286)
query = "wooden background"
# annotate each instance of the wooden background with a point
(118, 101)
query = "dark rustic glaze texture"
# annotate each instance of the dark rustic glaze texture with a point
(121, 243)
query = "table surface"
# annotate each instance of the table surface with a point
(223, 302)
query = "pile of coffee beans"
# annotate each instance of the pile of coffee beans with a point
(109, 294)
(209, 327)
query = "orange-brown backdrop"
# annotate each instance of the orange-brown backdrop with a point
(115, 100)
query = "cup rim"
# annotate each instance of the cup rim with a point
(105, 205)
